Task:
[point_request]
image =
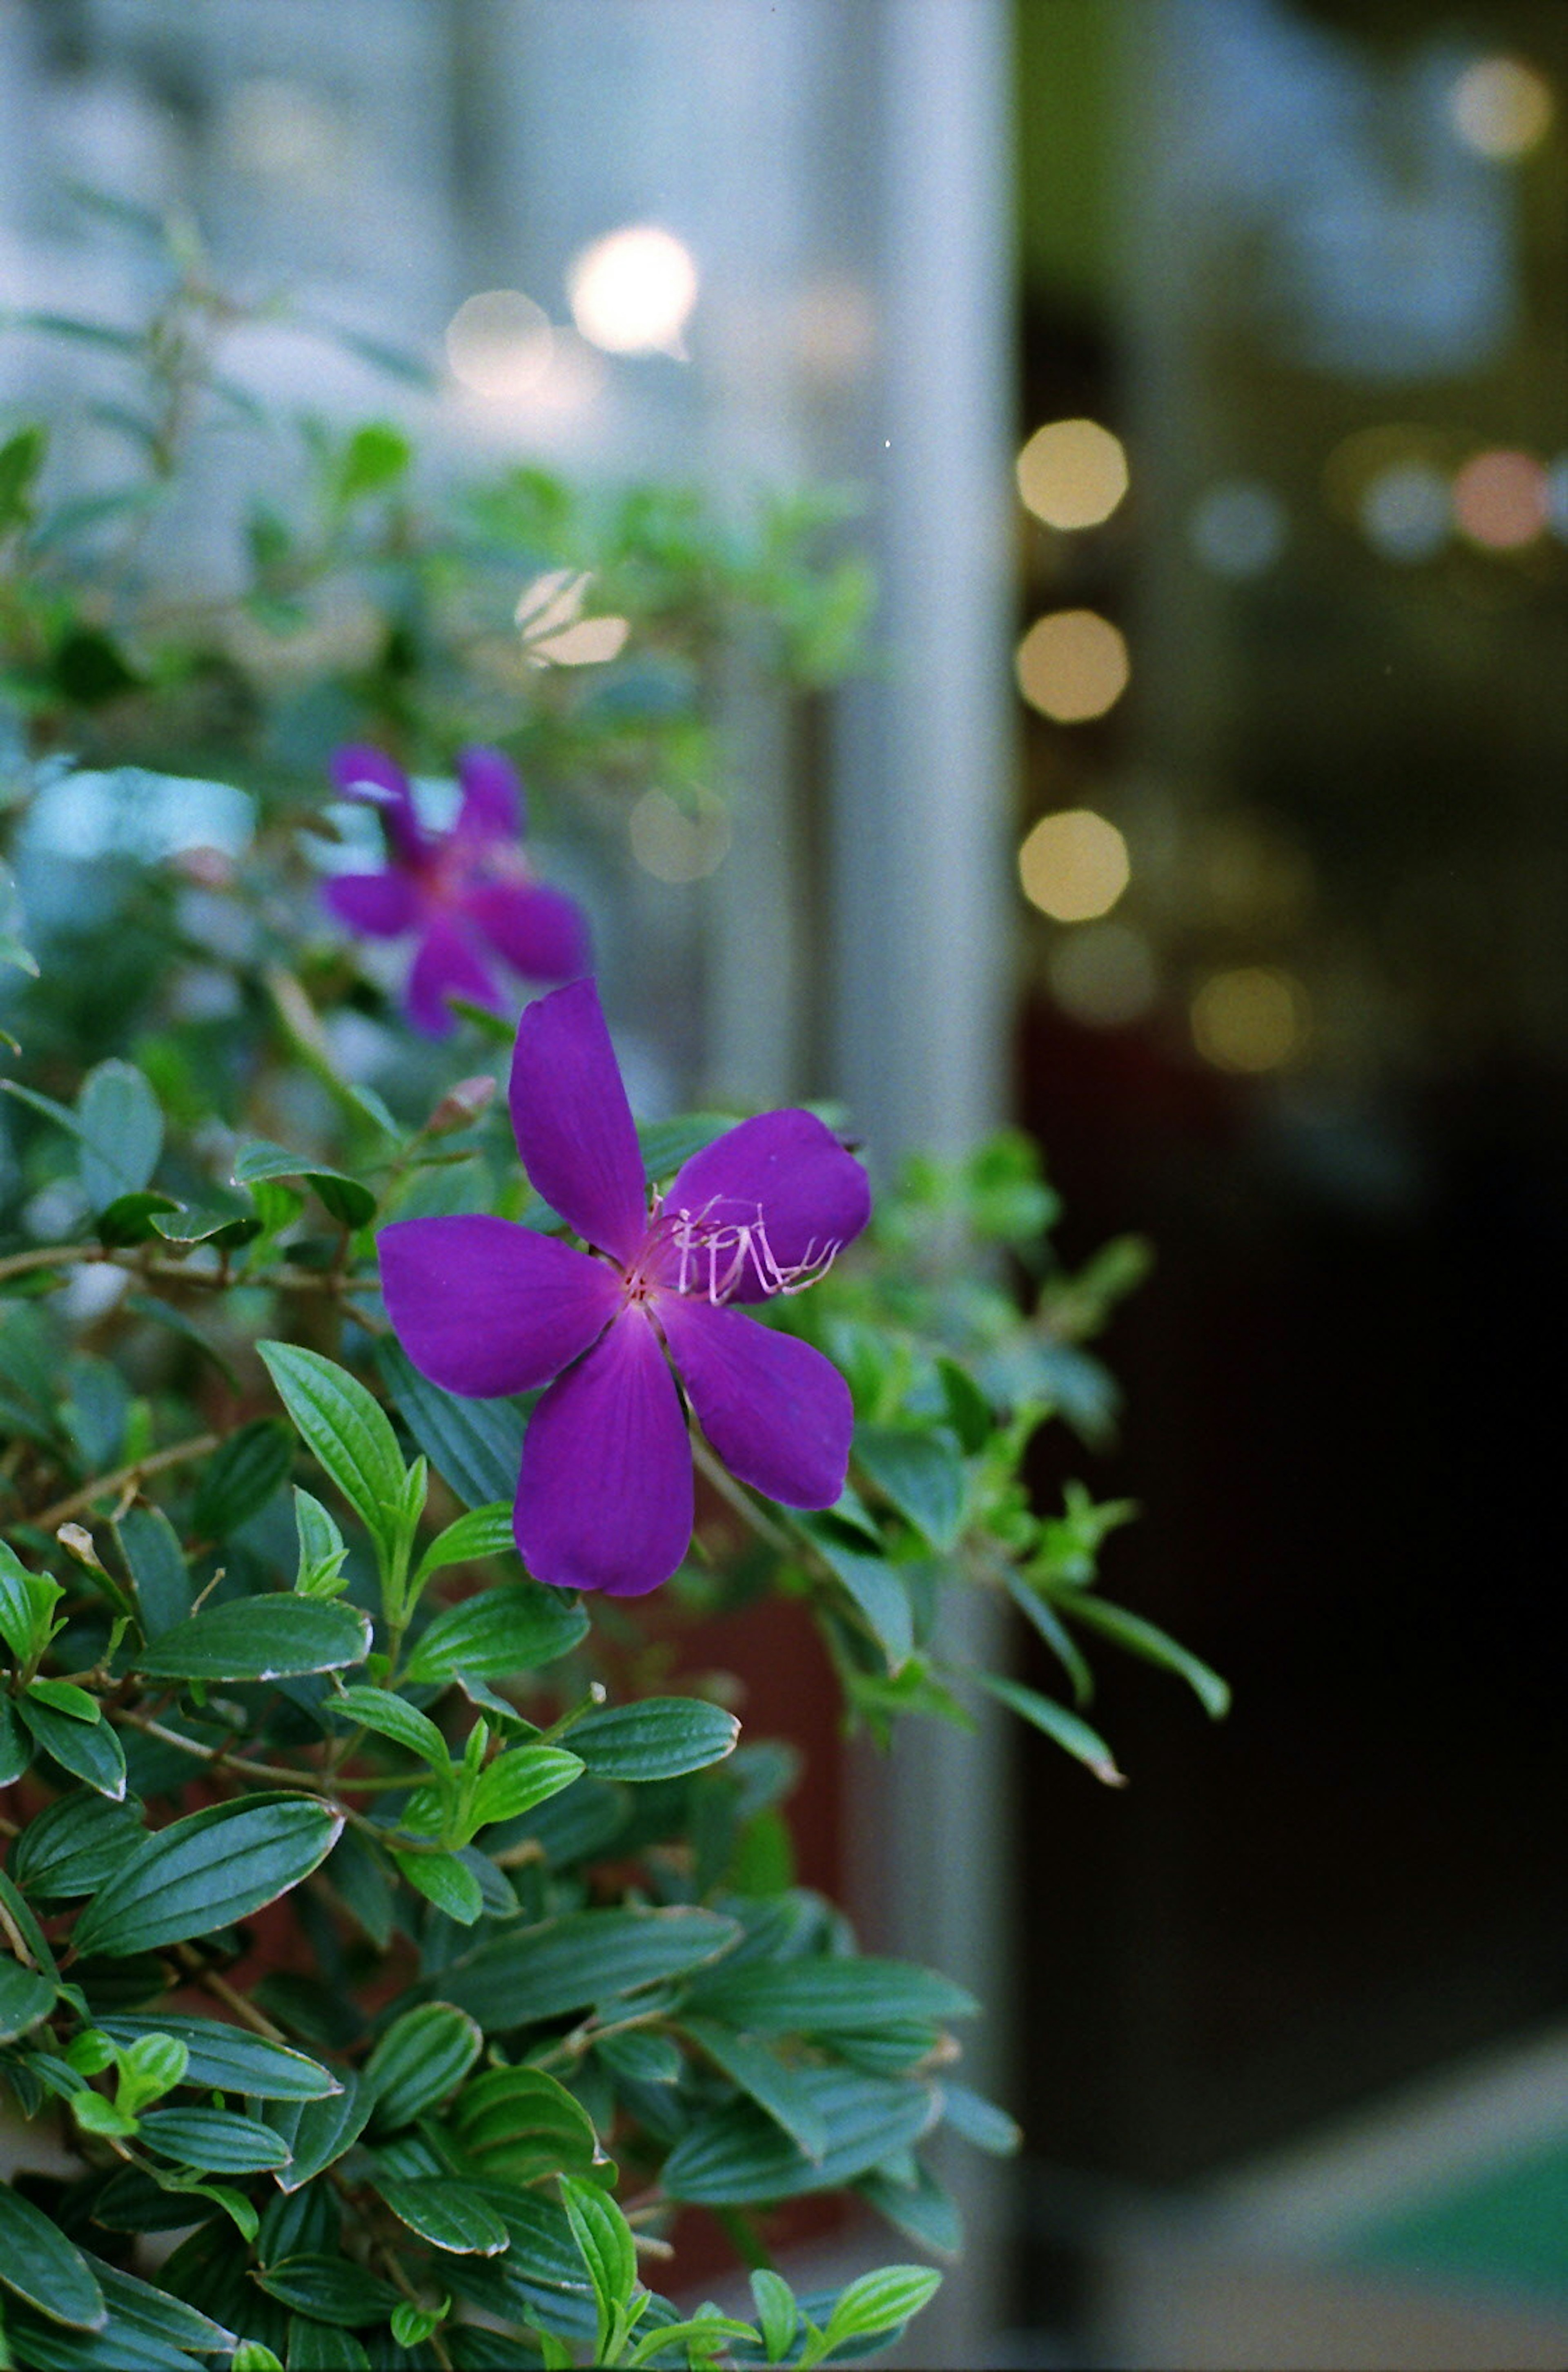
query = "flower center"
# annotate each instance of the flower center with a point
(718, 1245)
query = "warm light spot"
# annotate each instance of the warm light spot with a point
(1072, 665)
(1500, 108)
(1104, 975)
(632, 291)
(1503, 499)
(678, 840)
(500, 344)
(1252, 1019)
(1072, 474)
(1074, 865)
(555, 632)
(1406, 511)
(1239, 527)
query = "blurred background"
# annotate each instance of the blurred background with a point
(1201, 367)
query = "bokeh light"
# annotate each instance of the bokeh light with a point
(1254, 1019)
(678, 841)
(500, 344)
(1500, 108)
(1405, 511)
(632, 291)
(1074, 865)
(1072, 474)
(1503, 499)
(1104, 975)
(1072, 666)
(1239, 527)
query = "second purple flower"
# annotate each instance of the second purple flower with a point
(465, 894)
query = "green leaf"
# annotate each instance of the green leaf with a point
(392, 1717)
(922, 2210)
(121, 1132)
(153, 2065)
(226, 2059)
(979, 2121)
(515, 2124)
(639, 2057)
(1068, 1729)
(74, 1844)
(321, 1548)
(21, 458)
(483, 1532)
(734, 2156)
(319, 2132)
(514, 1628)
(27, 1602)
(446, 1881)
(213, 2141)
(1042, 1616)
(1157, 1647)
(707, 2327)
(349, 1433)
(768, 2079)
(41, 2265)
(89, 1751)
(329, 2288)
(528, 1974)
(659, 1738)
(150, 1546)
(922, 1477)
(604, 2238)
(877, 2303)
(275, 1636)
(878, 1592)
(136, 2307)
(474, 1445)
(667, 1144)
(777, 2313)
(375, 457)
(129, 1218)
(423, 2055)
(206, 1871)
(65, 1696)
(16, 1744)
(831, 1995)
(518, 1780)
(347, 1201)
(969, 1411)
(447, 2213)
(240, 1477)
(25, 1997)
(224, 1227)
(312, 2347)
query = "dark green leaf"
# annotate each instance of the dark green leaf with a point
(659, 1738)
(25, 1997)
(448, 2214)
(445, 1879)
(423, 2055)
(878, 1592)
(922, 2210)
(515, 2124)
(275, 1636)
(151, 1549)
(769, 2080)
(347, 1201)
(484, 1532)
(16, 1744)
(89, 668)
(567, 1963)
(21, 458)
(1038, 1613)
(226, 2059)
(827, 1995)
(89, 1750)
(121, 1132)
(392, 1717)
(736, 2156)
(240, 1477)
(136, 2306)
(923, 1476)
(349, 1433)
(27, 1602)
(522, 1777)
(474, 1445)
(329, 2288)
(514, 1628)
(317, 2347)
(1073, 1734)
(74, 1844)
(41, 2265)
(604, 2238)
(206, 1871)
(879, 2302)
(979, 2121)
(1157, 1647)
(129, 1218)
(969, 1411)
(667, 1144)
(319, 2132)
(214, 2141)
(224, 1227)
(640, 2057)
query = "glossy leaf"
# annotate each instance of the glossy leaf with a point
(329, 2288)
(392, 1717)
(444, 1879)
(878, 1593)
(766, 2078)
(129, 1218)
(1069, 1731)
(321, 1548)
(206, 1871)
(483, 1532)
(121, 1132)
(89, 1750)
(16, 1744)
(778, 2316)
(448, 2214)
(528, 1974)
(74, 1844)
(276, 1636)
(474, 1445)
(423, 2055)
(515, 2124)
(240, 1477)
(659, 1738)
(734, 2156)
(515, 1628)
(230, 2059)
(319, 2132)
(604, 2239)
(25, 1997)
(520, 1778)
(27, 1606)
(150, 1546)
(827, 1995)
(41, 2265)
(349, 1433)
(922, 1475)
(347, 1201)
(214, 2141)
(1141, 1638)
(877, 2303)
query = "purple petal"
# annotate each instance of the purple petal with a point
(787, 1168)
(445, 966)
(492, 805)
(540, 932)
(379, 905)
(362, 771)
(605, 1497)
(484, 1307)
(573, 1122)
(776, 1411)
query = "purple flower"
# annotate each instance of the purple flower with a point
(466, 893)
(486, 1306)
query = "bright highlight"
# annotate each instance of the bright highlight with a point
(1074, 865)
(632, 291)
(1072, 474)
(1503, 499)
(1072, 666)
(500, 344)
(1500, 108)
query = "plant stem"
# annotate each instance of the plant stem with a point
(221, 1990)
(155, 1463)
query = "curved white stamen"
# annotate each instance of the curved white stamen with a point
(729, 1245)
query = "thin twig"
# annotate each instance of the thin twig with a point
(221, 1990)
(75, 1501)
(741, 1501)
(49, 1256)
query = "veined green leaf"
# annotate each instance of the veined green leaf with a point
(768, 2079)
(41, 2265)
(1070, 1732)
(736, 2156)
(447, 2213)
(877, 2303)
(206, 1871)
(74, 1844)
(483, 1532)
(520, 1778)
(321, 1548)
(319, 2132)
(830, 1993)
(528, 1974)
(348, 1202)
(120, 1129)
(150, 1546)
(226, 2059)
(392, 1717)
(513, 1628)
(657, 1737)
(276, 1636)
(240, 1477)
(474, 1445)
(327, 2288)
(604, 2238)
(89, 1750)
(423, 2055)
(27, 1602)
(444, 1880)
(777, 2313)
(1143, 1638)
(25, 1997)
(878, 1592)
(979, 2121)
(922, 1475)
(515, 2124)
(214, 2141)
(348, 1432)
